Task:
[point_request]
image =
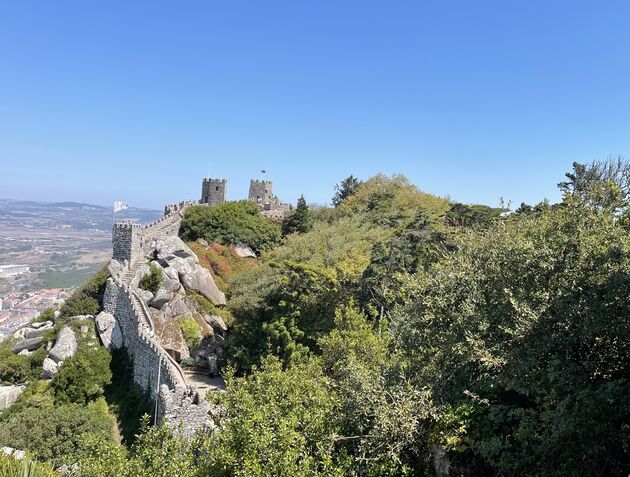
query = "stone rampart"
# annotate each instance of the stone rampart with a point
(126, 241)
(178, 207)
(147, 354)
(154, 370)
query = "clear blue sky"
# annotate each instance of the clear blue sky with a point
(473, 99)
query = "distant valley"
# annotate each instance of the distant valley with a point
(62, 243)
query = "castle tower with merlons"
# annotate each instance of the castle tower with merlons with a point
(213, 191)
(260, 192)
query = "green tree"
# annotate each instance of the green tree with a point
(83, 377)
(153, 280)
(529, 322)
(299, 220)
(53, 434)
(282, 309)
(602, 184)
(476, 215)
(385, 420)
(276, 422)
(13, 368)
(230, 223)
(156, 451)
(345, 189)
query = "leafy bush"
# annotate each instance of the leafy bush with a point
(230, 223)
(529, 321)
(153, 280)
(391, 200)
(54, 433)
(83, 377)
(87, 300)
(276, 422)
(13, 368)
(156, 451)
(190, 330)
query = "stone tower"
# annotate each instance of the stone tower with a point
(213, 191)
(260, 192)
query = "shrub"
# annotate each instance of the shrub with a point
(153, 280)
(83, 377)
(86, 300)
(230, 223)
(54, 433)
(190, 330)
(13, 368)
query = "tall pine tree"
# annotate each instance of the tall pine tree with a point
(298, 221)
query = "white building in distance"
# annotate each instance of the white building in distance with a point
(12, 270)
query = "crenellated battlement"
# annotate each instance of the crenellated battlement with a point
(178, 207)
(213, 191)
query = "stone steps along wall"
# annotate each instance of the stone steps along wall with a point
(147, 354)
(180, 405)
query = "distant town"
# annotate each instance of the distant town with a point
(47, 250)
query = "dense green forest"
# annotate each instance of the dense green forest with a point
(394, 333)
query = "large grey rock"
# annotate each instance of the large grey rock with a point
(116, 269)
(201, 280)
(109, 330)
(42, 324)
(161, 298)
(10, 394)
(81, 317)
(244, 251)
(50, 368)
(176, 307)
(30, 344)
(216, 322)
(35, 332)
(65, 346)
(171, 273)
(145, 295)
(171, 247)
(171, 285)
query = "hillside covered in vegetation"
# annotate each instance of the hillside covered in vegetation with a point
(394, 333)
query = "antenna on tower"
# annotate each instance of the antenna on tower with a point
(208, 168)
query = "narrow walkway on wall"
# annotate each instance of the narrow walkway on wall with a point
(204, 383)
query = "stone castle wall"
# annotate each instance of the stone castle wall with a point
(213, 191)
(178, 404)
(147, 354)
(260, 192)
(126, 241)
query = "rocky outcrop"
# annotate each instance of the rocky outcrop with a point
(216, 322)
(65, 346)
(201, 280)
(30, 344)
(244, 251)
(173, 254)
(108, 330)
(50, 368)
(15, 453)
(10, 394)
